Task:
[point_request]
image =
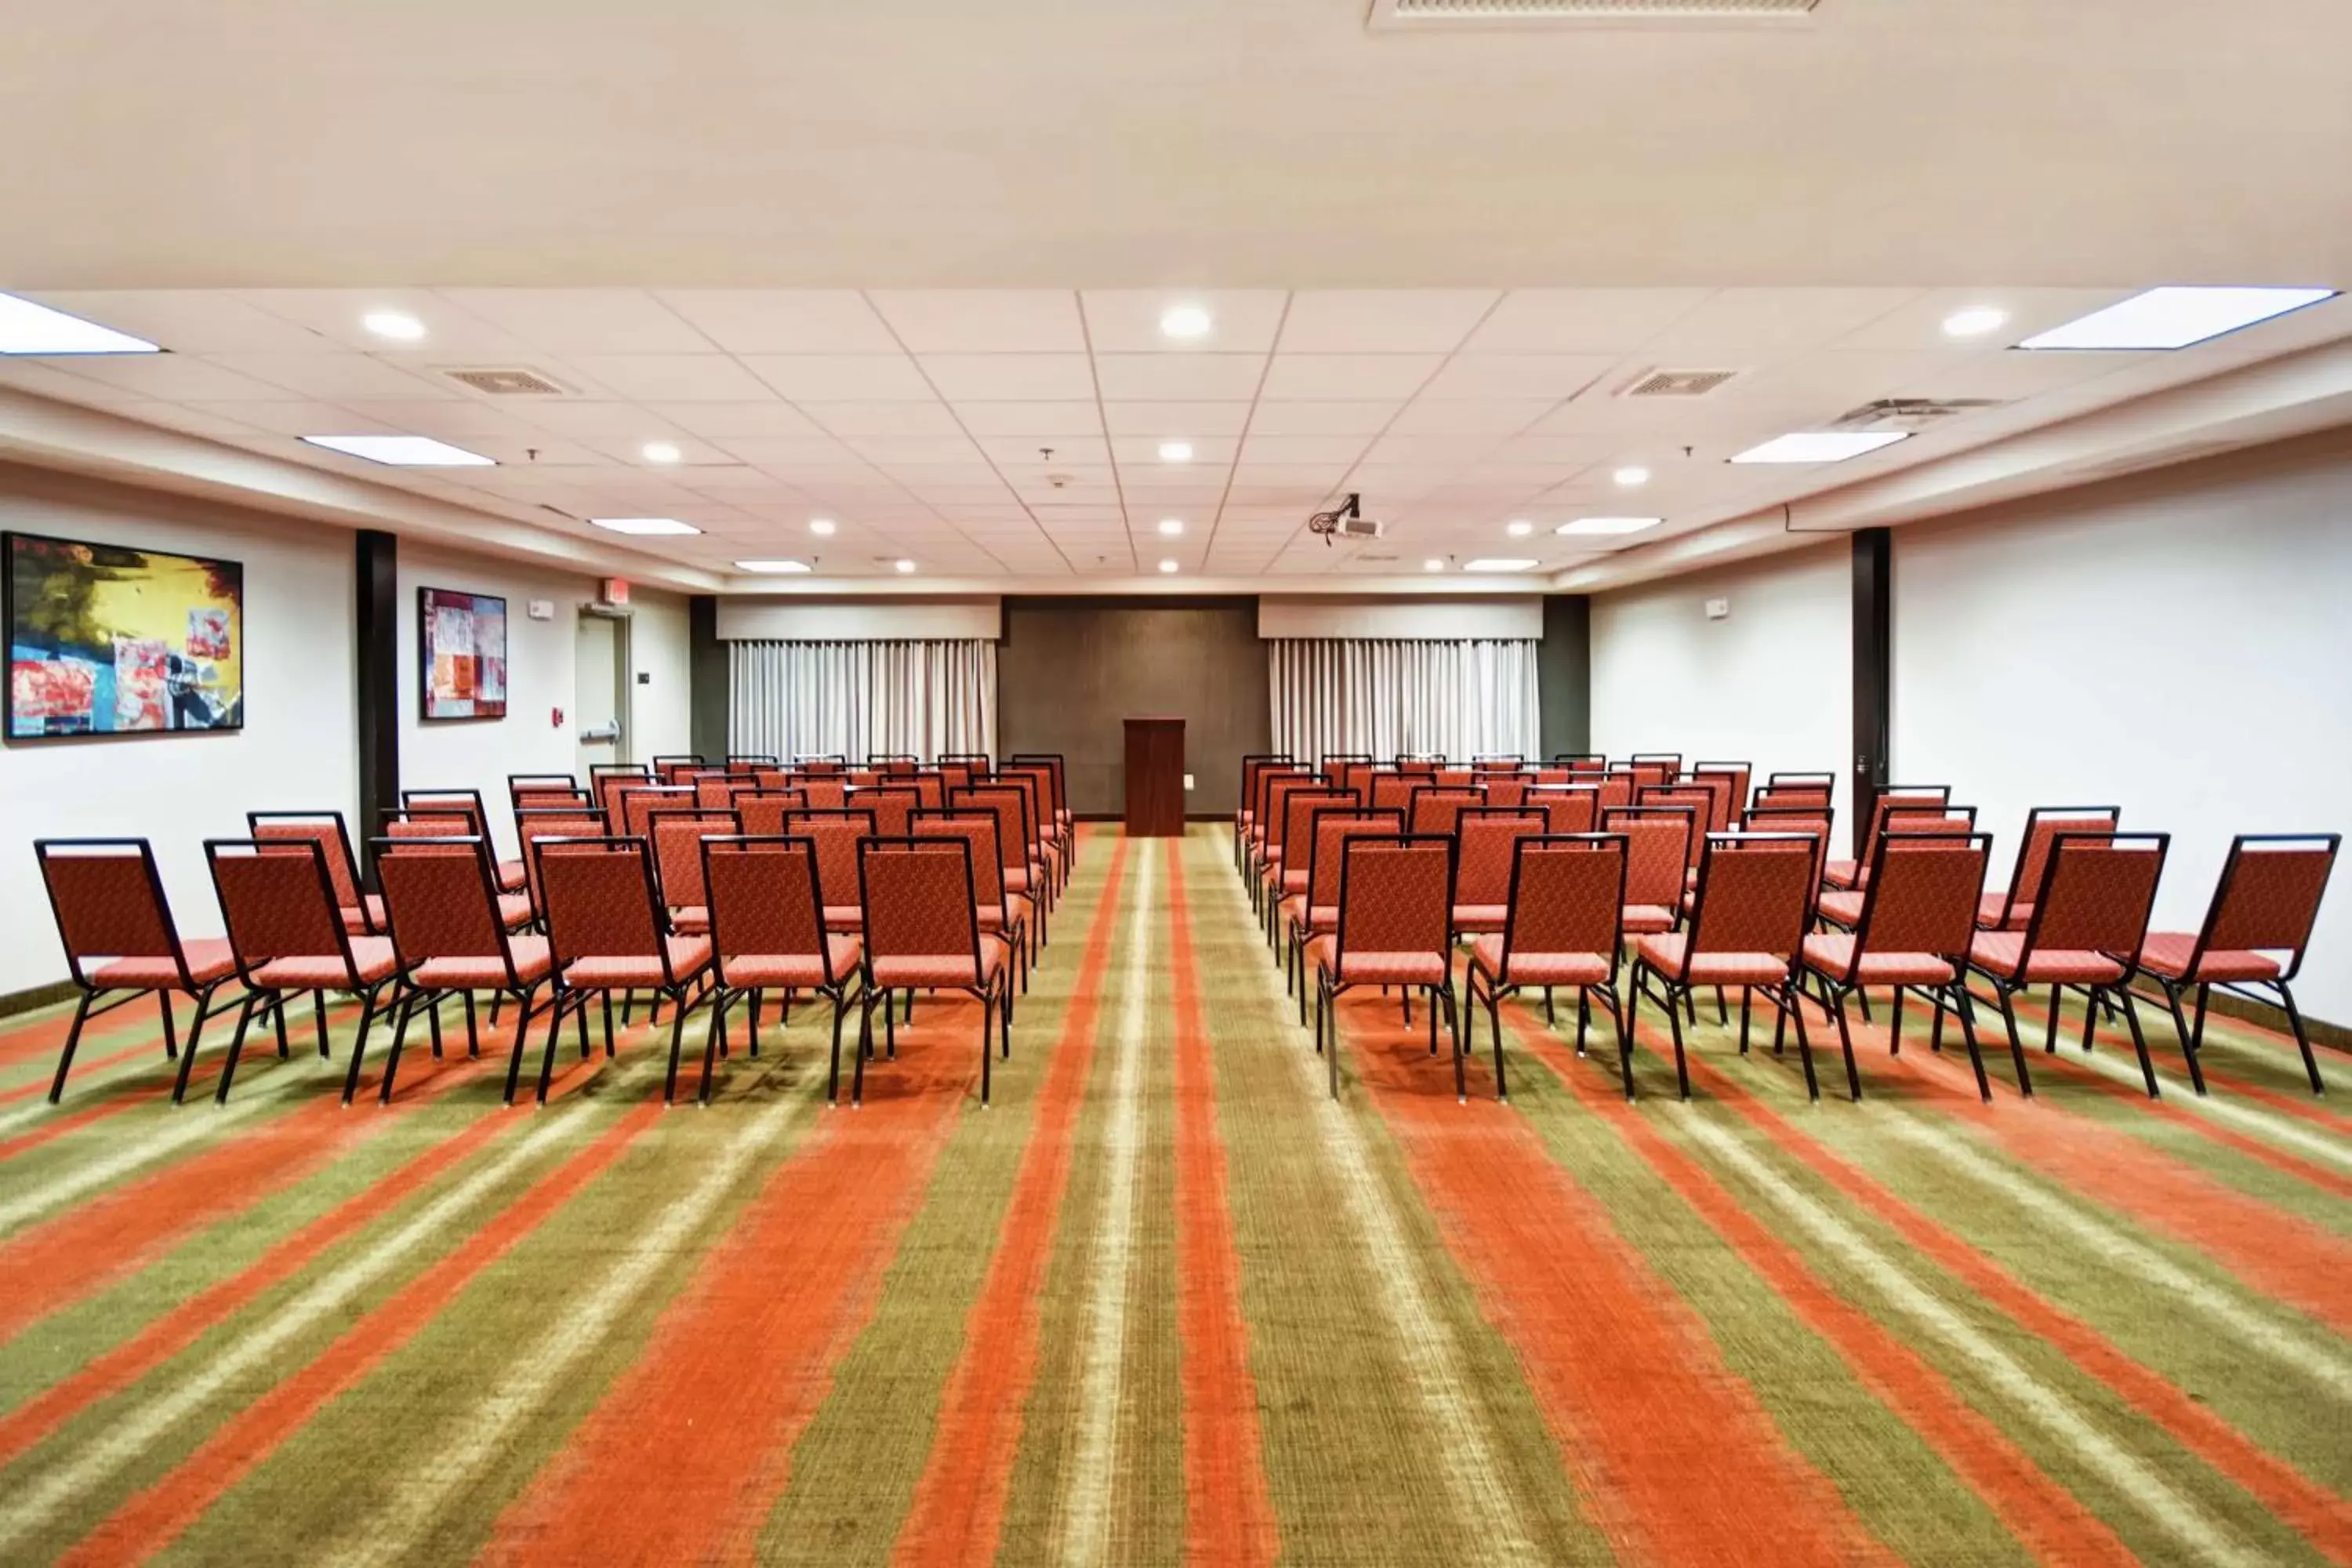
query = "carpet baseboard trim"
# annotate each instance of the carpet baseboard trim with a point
(15, 1002)
(2268, 1016)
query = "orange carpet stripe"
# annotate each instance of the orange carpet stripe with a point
(42, 1038)
(1624, 1371)
(2222, 1080)
(741, 1362)
(2319, 1515)
(2043, 1514)
(154, 1517)
(1228, 1517)
(957, 1514)
(86, 1063)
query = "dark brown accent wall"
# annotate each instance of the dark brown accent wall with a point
(1071, 672)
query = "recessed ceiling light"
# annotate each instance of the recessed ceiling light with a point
(404, 451)
(903, 566)
(662, 452)
(1498, 563)
(820, 526)
(397, 325)
(1608, 525)
(1175, 451)
(1172, 526)
(771, 568)
(1975, 321)
(1631, 477)
(1820, 445)
(645, 525)
(1184, 321)
(1168, 566)
(29, 329)
(1519, 528)
(1432, 565)
(2175, 318)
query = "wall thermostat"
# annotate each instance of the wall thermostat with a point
(1717, 609)
(541, 609)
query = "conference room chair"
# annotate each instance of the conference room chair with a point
(466, 803)
(452, 937)
(767, 934)
(1506, 789)
(1274, 786)
(931, 789)
(2254, 934)
(532, 792)
(892, 762)
(1582, 762)
(1434, 808)
(120, 941)
(1496, 761)
(825, 791)
(1618, 787)
(775, 778)
(676, 837)
(552, 823)
(1789, 797)
(980, 763)
(606, 780)
(1786, 779)
(1053, 839)
(289, 939)
(1425, 762)
(362, 913)
(1393, 791)
(2011, 909)
(741, 762)
(923, 933)
(1045, 850)
(607, 936)
(1699, 803)
(1246, 812)
(1334, 765)
(1000, 912)
(2090, 918)
(1545, 774)
(1453, 778)
(716, 792)
(836, 835)
(638, 805)
(1562, 926)
(821, 765)
(1747, 929)
(861, 778)
(1657, 849)
(1844, 906)
(1486, 841)
(1655, 768)
(667, 767)
(514, 910)
(1023, 873)
(955, 775)
(1729, 777)
(1058, 800)
(613, 793)
(1285, 873)
(1392, 931)
(890, 806)
(1840, 873)
(1913, 931)
(1315, 911)
(1568, 809)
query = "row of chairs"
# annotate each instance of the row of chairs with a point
(1548, 893)
(697, 910)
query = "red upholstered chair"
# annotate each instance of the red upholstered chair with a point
(775, 778)
(1453, 778)
(1496, 761)
(1045, 850)
(1392, 791)
(954, 775)
(607, 780)
(2090, 919)
(1393, 913)
(1426, 763)
(606, 934)
(1246, 813)
(534, 825)
(931, 787)
(825, 791)
(362, 913)
(890, 806)
(638, 805)
(1274, 787)
(514, 910)
(1617, 786)
(822, 764)
(1789, 797)
(1844, 906)
(1660, 767)
(836, 835)
(1000, 912)
(289, 938)
(451, 933)
(1566, 903)
(893, 763)
(1570, 808)
(1657, 849)
(512, 876)
(2254, 934)
(1783, 779)
(860, 778)
(921, 934)
(537, 792)
(1911, 931)
(1583, 761)
(767, 934)
(1506, 789)
(1747, 929)
(676, 837)
(2012, 908)
(118, 937)
(1700, 803)
(1486, 843)
(1054, 824)
(668, 768)
(1014, 846)
(1892, 797)
(762, 811)
(1816, 822)
(1315, 909)
(1732, 779)
(1436, 808)
(716, 792)
(1336, 764)
(1286, 873)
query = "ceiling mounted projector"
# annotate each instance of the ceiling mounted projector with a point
(1347, 520)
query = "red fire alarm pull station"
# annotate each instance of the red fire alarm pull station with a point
(558, 720)
(614, 591)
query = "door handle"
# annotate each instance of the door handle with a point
(603, 735)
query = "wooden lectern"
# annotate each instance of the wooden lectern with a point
(1155, 778)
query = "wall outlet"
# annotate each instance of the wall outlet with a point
(1188, 781)
(1717, 609)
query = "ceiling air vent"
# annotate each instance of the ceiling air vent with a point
(509, 381)
(1910, 414)
(1677, 383)
(1403, 14)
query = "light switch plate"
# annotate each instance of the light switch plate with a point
(1188, 781)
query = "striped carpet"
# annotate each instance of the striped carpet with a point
(1166, 1301)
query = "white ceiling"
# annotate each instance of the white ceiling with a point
(830, 251)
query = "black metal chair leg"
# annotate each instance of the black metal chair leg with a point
(473, 1029)
(2302, 1037)
(236, 1045)
(318, 1016)
(1845, 1043)
(1796, 1004)
(73, 1043)
(554, 1029)
(163, 1005)
(2147, 1065)
(403, 1010)
(676, 1036)
(1682, 1063)
(2016, 1046)
(1968, 1036)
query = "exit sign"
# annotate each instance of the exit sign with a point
(614, 591)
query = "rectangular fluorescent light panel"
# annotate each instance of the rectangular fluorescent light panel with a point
(767, 567)
(2174, 318)
(404, 451)
(1820, 445)
(1499, 563)
(644, 525)
(1608, 525)
(29, 329)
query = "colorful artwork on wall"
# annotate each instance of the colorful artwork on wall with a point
(105, 640)
(461, 641)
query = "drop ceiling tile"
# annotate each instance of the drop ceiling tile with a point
(1383, 321)
(597, 418)
(1259, 450)
(1179, 378)
(1547, 376)
(1297, 500)
(1191, 418)
(764, 418)
(782, 320)
(983, 321)
(47, 380)
(1919, 323)
(1746, 326)
(339, 377)
(1065, 417)
(1010, 377)
(1496, 418)
(731, 477)
(1132, 452)
(1605, 321)
(842, 378)
(1127, 320)
(2009, 375)
(189, 321)
(1383, 485)
(1366, 419)
(1335, 378)
(309, 418)
(176, 378)
(1429, 450)
(908, 418)
(774, 452)
(583, 321)
(672, 378)
(1026, 452)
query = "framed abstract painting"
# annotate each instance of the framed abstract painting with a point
(461, 643)
(108, 639)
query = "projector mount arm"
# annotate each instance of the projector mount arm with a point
(1326, 523)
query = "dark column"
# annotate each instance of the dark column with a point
(707, 679)
(1873, 674)
(1564, 674)
(378, 707)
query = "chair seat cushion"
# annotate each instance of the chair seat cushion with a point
(209, 959)
(1841, 874)
(992, 917)
(1542, 968)
(945, 969)
(2168, 954)
(1993, 905)
(1644, 918)
(1319, 919)
(372, 956)
(746, 970)
(691, 919)
(512, 877)
(688, 955)
(366, 916)
(1665, 952)
(1833, 956)
(2001, 952)
(531, 963)
(1843, 907)
(844, 917)
(1481, 917)
(514, 911)
(1294, 881)
(1016, 879)
(1376, 968)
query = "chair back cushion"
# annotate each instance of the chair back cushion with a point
(2269, 894)
(2096, 892)
(1568, 809)
(599, 899)
(440, 899)
(919, 900)
(678, 838)
(889, 805)
(2043, 826)
(1011, 841)
(1923, 893)
(1567, 895)
(1657, 852)
(1333, 827)
(325, 829)
(107, 902)
(762, 896)
(1754, 896)
(530, 827)
(276, 900)
(1488, 840)
(762, 811)
(1393, 894)
(1437, 810)
(836, 835)
(977, 829)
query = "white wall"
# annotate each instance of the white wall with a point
(1770, 685)
(2179, 645)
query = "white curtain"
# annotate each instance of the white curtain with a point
(857, 698)
(1384, 697)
